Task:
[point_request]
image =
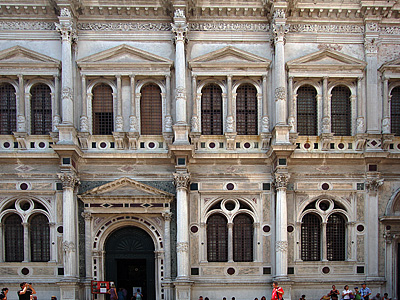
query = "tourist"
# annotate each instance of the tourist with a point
(347, 293)
(334, 293)
(3, 294)
(113, 292)
(138, 295)
(26, 291)
(386, 297)
(303, 297)
(277, 291)
(365, 292)
(357, 295)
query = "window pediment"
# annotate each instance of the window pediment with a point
(122, 59)
(391, 68)
(229, 58)
(326, 63)
(19, 60)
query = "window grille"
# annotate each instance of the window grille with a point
(40, 238)
(246, 110)
(341, 111)
(211, 110)
(243, 238)
(335, 238)
(307, 116)
(102, 110)
(41, 115)
(14, 239)
(395, 111)
(217, 238)
(311, 238)
(151, 110)
(8, 109)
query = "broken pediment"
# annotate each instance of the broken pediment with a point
(122, 58)
(18, 59)
(229, 58)
(126, 187)
(325, 62)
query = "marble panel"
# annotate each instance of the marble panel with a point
(248, 271)
(343, 186)
(9, 271)
(43, 271)
(208, 271)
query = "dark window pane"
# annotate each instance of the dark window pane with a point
(311, 238)
(395, 111)
(243, 238)
(217, 238)
(41, 115)
(151, 110)
(335, 238)
(8, 109)
(14, 238)
(246, 110)
(341, 111)
(102, 111)
(40, 238)
(211, 110)
(307, 115)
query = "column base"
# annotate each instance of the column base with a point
(168, 290)
(70, 289)
(280, 135)
(183, 289)
(67, 134)
(181, 134)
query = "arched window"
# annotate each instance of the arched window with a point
(14, 238)
(8, 109)
(41, 115)
(307, 116)
(246, 110)
(211, 110)
(102, 110)
(395, 111)
(311, 238)
(40, 238)
(336, 237)
(151, 110)
(243, 238)
(341, 111)
(217, 238)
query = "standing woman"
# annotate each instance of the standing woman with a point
(347, 293)
(113, 293)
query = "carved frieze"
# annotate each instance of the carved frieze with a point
(68, 246)
(20, 25)
(124, 26)
(224, 26)
(326, 28)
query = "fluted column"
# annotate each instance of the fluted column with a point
(360, 107)
(181, 180)
(281, 246)
(386, 107)
(84, 122)
(88, 243)
(167, 245)
(67, 30)
(326, 120)
(69, 181)
(181, 129)
(21, 119)
(168, 117)
(280, 29)
(119, 121)
(56, 103)
(265, 118)
(292, 107)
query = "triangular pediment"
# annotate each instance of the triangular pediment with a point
(20, 58)
(326, 59)
(229, 57)
(393, 66)
(123, 57)
(126, 187)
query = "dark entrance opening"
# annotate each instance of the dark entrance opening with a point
(130, 261)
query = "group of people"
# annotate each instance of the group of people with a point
(27, 292)
(359, 294)
(122, 294)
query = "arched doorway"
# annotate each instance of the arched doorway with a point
(130, 260)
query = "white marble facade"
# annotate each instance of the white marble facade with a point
(170, 185)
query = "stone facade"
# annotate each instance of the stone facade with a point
(170, 185)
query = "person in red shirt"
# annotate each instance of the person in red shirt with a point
(277, 292)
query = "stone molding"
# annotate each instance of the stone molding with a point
(86, 215)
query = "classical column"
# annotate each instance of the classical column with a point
(230, 242)
(67, 30)
(326, 119)
(374, 110)
(281, 246)
(119, 121)
(69, 181)
(292, 107)
(181, 180)
(88, 243)
(1, 239)
(180, 28)
(386, 106)
(26, 245)
(168, 117)
(53, 244)
(280, 29)
(230, 123)
(84, 122)
(360, 107)
(195, 122)
(323, 242)
(133, 127)
(56, 103)
(21, 118)
(168, 291)
(372, 184)
(265, 118)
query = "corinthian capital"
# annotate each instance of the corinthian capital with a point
(279, 30)
(181, 180)
(66, 26)
(179, 27)
(372, 185)
(86, 215)
(281, 180)
(68, 180)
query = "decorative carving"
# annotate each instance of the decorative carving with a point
(326, 124)
(86, 215)
(195, 124)
(84, 124)
(291, 122)
(334, 47)
(21, 124)
(68, 32)
(67, 93)
(181, 180)
(281, 180)
(328, 28)
(56, 122)
(280, 93)
(124, 26)
(68, 180)
(280, 30)
(372, 185)
(119, 122)
(182, 247)
(167, 216)
(69, 246)
(371, 46)
(230, 124)
(390, 29)
(279, 13)
(221, 26)
(281, 246)
(180, 93)
(386, 125)
(133, 123)
(372, 27)
(168, 123)
(17, 25)
(360, 125)
(265, 124)
(179, 13)
(65, 12)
